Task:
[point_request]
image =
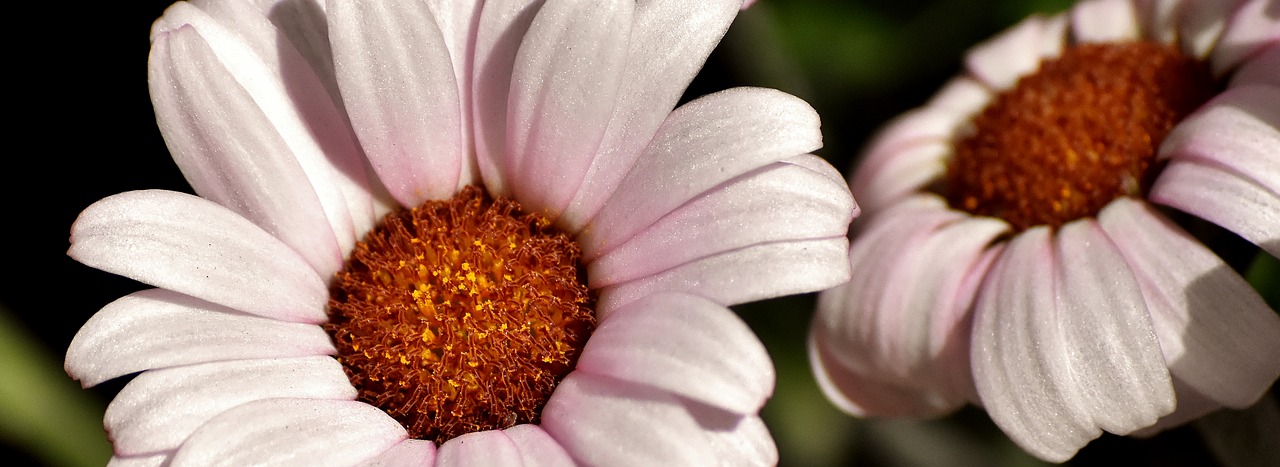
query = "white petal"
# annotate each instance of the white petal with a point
(157, 328)
(490, 447)
(1238, 131)
(1104, 21)
(753, 273)
(400, 89)
(160, 459)
(292, 431)
(160, 408)
(780, 202)
(737, 439)
(503, 24)
(670, 40)
(564, 88)
(703, 144)
(193, 246)
(602, 421)
(231, 151)
(1253, 27)
(1223, 197)
(665, 341)
(537, 447)
(408, 453)
(899, 173)
(1218, 336)
(1002, 60)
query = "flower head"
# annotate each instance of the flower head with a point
(489, 212)
(1016, 251)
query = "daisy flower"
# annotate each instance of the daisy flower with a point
(454, 233)
(1018, 248)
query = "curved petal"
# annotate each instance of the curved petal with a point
(1200, 24)
(603, 421)
(564, 87)
(408, 453)
(1223, 197)
(753, 273)
(1261, 70)
(670, 40)
(401, 92)
(537, 447)
(503, 24)
(1187, 288)
(779, 202)
(292, 431)
(900, 173)
(662, 340)
(157, 328)
(1253, 27)
(490, 447)
(191, 245)
(1237, 131)
(1002, 60)
(1104, 21)
(160, 408)
(701, 145)
(231, 151)
(736, 439)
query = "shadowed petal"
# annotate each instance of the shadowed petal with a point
(158, 328)
(191, 245)
(408, 453)
(537, 447)
(736, 439)
(1254, 26)
(685, 345)
(503, 24)
(1262, 70)
(160, 408)
(1222, 197)
(1200, 23)
(1187, 288)
(490, 447)
(393, 65)
(230, 150)
(292, 431)
(603, 421)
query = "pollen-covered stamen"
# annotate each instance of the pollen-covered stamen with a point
(1080, 132)
(461, 315)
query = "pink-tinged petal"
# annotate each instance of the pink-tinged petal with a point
(1020, 359)
(401, 93)
(670, 40)
(780, 202)
(228, 148)
(292, 431)
(1238, 131)
(1224, 197)
(564, 87)
(287, 89)
(157, 328)
(458, 22)
(503, 24)
(736, 439)
(603, 421)
(491, 447)
(1200, 23)
(160, 459)
(1104, 21)
(701, 145)
(963, 96)
(1118, 369)
(1253, 27)
(191, 245)
(1218, 336)
(662, 341)
(1158, 19)
(160, 408)
(537, 447)
(1002, 60)
(408, 453)
(756, 272)
(1261, 70)
(900, 173)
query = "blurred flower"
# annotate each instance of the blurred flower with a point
(542, 207)
(1012, 253)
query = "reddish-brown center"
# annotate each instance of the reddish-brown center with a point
(460, 315)
(1080, 132)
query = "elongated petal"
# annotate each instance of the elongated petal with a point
(1001, 60)
(1218, 336)
(736, 439)
(193, 246)
(537, 447)
(670, 40)
(1253, 27)
(1200, 24)
(160, 408)
(703, 144)
(230, 151)
(779, 202)
(292, 431)
(1104, 21)
(900, 173)
(158, 328)
(503, 24)
(662, 340)
(401, 92)
(1238, 131)
(408, 453)
(491, 447)
(753, 273)
(603, 421)
(564, 88)
(1223, 197)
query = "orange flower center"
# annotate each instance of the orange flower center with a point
(1080, 132)
(461, 315)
